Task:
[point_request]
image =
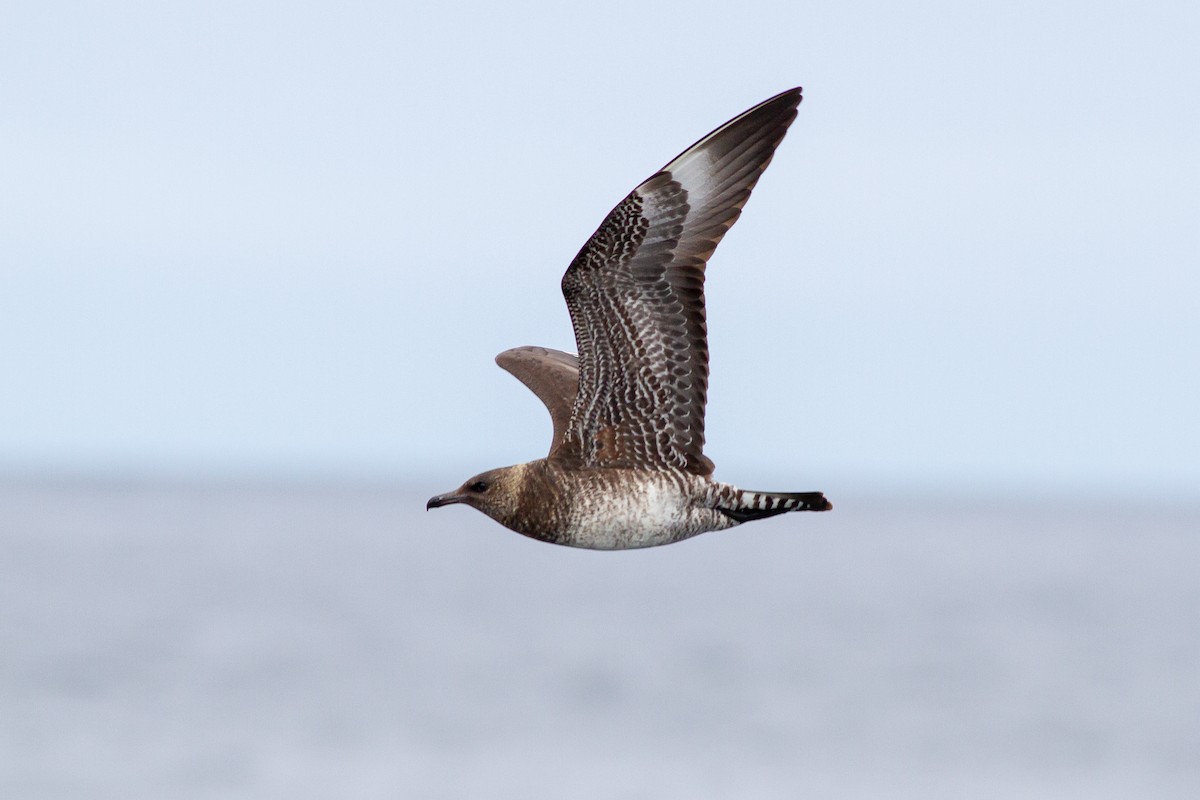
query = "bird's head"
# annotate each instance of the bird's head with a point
(496, 493)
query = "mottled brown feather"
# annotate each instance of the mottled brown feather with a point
(636, 297)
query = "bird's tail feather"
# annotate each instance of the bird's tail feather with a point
(745, 505)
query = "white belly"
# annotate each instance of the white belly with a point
(646, 512)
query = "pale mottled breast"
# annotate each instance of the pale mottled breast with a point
(619, 509)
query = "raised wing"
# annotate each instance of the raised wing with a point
(636, 296)
(554, 377)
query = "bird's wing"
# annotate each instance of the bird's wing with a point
(636, 296)
(554, 377)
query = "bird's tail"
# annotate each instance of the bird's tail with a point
(744, 505)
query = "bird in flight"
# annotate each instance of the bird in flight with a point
(626, 467)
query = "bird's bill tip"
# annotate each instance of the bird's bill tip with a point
(446, 499)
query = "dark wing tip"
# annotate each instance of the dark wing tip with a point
(792, 97)
(774, 114)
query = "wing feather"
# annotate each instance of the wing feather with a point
(636, 297)
(554, 377)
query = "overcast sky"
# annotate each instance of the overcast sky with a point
(285, 238)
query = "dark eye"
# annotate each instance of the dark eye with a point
(478, 486)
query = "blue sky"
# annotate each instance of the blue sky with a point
(276, 239)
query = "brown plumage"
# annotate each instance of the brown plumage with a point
(626, 466)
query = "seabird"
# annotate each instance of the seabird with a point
(626, 467)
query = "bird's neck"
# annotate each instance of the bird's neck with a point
(542, 508)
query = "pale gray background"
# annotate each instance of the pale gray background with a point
(256, 259)
(291, 237)
(321, 643)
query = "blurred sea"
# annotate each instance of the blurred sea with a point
(208, 641)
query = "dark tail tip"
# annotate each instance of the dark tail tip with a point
(760, 505)
(810, 501)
